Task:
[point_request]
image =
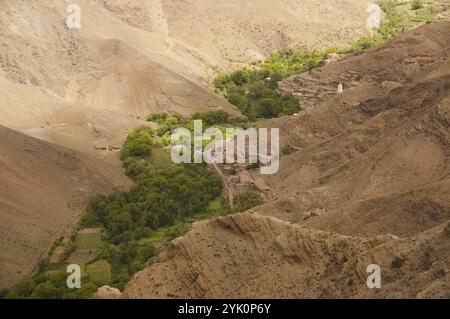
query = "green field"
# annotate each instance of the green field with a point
(99, 272)
(88, 241)
(160, 159)
(87, 246)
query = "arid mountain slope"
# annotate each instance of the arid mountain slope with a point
(263, 257)
(87, 86)
(368, 183)
(248, 30)
(94, 82)
(43, 190)
(374, 159)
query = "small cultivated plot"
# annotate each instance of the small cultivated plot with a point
(89, 239)
(99, 272)
(88, 243)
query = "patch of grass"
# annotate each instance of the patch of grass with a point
(245, 201)
(99, 272)
(416, 5)
(82, 257)
(160, 159)
(88, 241)
(215, 205)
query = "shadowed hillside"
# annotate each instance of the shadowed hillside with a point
(43, 190)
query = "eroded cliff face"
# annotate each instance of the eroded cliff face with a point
(368, 184)
(263, 257)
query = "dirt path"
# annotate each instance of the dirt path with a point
(226, 183)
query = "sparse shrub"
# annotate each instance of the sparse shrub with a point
(159, 117)
(388, 5)
(287, 150)
(43, 264)
(245, 201)
(416, 4)
(213, 117)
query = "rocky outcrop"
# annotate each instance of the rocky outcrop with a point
(107, 292)
(263, 257)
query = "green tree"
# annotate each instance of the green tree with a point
(416, 5)
(46, 291)
(240, 101)
(266, 108)
(289, 104)
(239, 77)
(274, 79)
(139, 143)
(23, 289)
(212, 118)
(118, 224)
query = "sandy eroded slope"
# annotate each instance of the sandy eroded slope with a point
(241, 30)
(94, 81)
(132, 58)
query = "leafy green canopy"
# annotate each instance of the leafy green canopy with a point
(139, 143)
(50, 285)
(255, 91)
(159, 198)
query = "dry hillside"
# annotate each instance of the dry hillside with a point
(43, 190)
(369, 183)
(247, 30)
(79, 87)
(88, 86)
